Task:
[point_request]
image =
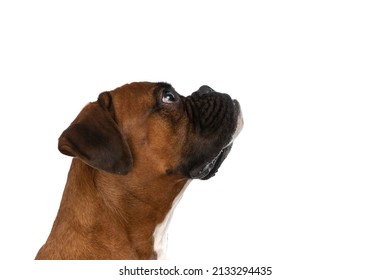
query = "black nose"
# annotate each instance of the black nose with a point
(205, 89)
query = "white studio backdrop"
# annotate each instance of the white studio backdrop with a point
(305, 188)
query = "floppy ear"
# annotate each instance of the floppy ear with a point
(95, 138)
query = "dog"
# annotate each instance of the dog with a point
(134, 151)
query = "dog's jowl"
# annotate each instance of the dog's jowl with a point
(134, 150)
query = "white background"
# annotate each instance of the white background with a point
(305, 188)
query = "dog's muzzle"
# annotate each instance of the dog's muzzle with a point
(222, 115)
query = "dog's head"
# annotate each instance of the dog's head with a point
(150, 128)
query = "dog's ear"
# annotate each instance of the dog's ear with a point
(95, 138)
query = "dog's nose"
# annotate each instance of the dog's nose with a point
(205, 89)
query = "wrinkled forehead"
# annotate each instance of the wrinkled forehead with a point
(135, 102)
(141, 91)
(134, 97)
(163, 86)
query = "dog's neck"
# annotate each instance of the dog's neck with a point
(121, 211)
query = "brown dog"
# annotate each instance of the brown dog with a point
(135, 149)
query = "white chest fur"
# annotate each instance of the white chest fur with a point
(160, 234)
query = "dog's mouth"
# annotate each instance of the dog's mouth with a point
(211, 168)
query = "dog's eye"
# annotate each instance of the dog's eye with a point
(168, 97)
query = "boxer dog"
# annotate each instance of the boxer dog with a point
(135, 149)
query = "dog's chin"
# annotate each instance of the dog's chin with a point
(211, 168)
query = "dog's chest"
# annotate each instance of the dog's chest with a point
(160, 234)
